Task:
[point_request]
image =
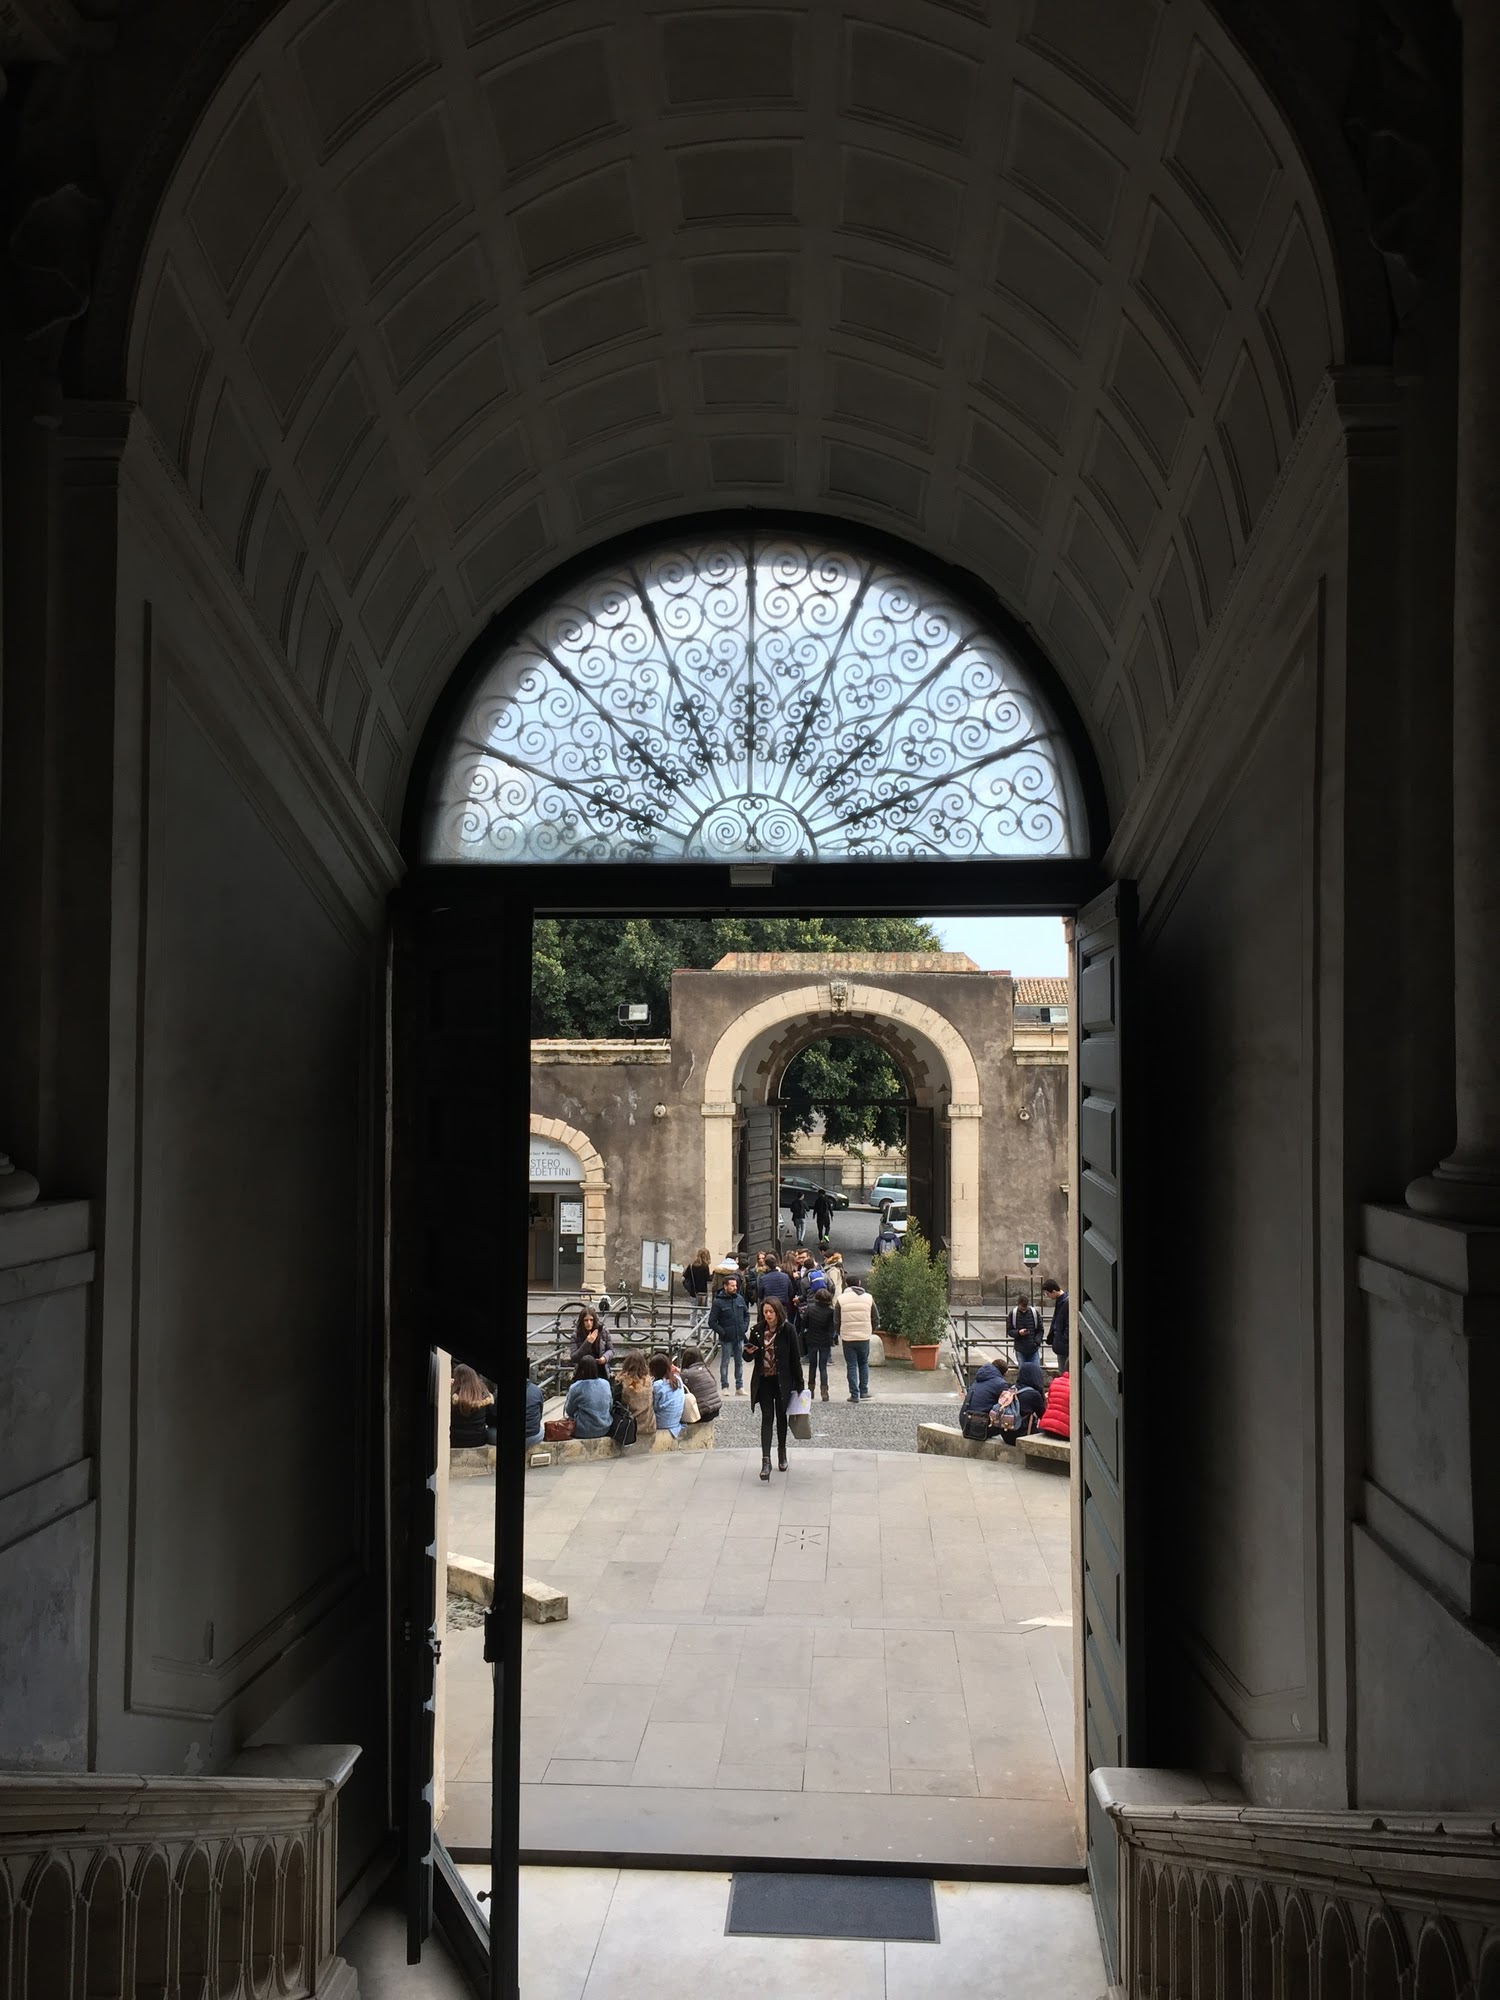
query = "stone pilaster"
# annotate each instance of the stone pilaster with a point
(1465, 1187)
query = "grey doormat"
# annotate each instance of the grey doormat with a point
(897, 1907)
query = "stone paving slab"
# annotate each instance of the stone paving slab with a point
(877, 1642)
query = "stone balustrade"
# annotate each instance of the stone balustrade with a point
(1230, 1902)
(156, 1888)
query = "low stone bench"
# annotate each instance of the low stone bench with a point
(474, 1578)
(1046, 1454)
(947, 1441)
(465, 1462)
(573, 1451)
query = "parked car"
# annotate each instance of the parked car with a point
(897, 1217)
(890, 1187)
(794, 1184)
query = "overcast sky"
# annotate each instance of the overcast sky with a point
(1031, 947)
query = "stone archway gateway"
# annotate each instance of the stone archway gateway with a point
(950, 1091)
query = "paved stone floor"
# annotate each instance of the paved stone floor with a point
(868, 1659)
(616, 1934)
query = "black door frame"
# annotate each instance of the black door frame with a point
(511, 899)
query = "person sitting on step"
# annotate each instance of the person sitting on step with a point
(667, 1394)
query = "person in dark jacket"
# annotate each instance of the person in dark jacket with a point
(729, 1322)
(819, 1334)
(1024, 1325)
(772, 1346)
(696, 1376)
(823, 1216)
(1057, 1337)
(984, 1392)
(797, 1209)
(591, 1338)
(533, 1411)
(775, 1284)
(472, 1423)
(697, 1280)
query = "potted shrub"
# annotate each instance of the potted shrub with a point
(911, 1294)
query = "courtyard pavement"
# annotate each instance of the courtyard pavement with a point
(868, 1659)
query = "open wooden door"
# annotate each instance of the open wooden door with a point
(762, 1179)
(921, 1173)
(461, 1092)
(1110, 1550)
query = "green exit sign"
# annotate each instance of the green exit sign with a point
(1030, 1254)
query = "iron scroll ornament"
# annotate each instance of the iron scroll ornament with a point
(761, 697)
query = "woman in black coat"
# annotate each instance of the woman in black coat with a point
(772, 1346)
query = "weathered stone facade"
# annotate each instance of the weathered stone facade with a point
(988, 1165)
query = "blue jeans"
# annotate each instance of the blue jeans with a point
(732, 1343)
(857, 1367)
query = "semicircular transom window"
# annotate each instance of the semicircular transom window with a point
(759, 696)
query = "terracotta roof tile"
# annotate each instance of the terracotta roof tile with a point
(1041, 992)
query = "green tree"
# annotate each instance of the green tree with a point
(583, 968)
(843, 1067)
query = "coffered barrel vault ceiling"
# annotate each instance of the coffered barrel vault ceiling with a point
(446, 291)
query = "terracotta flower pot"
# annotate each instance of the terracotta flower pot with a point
(924, 1356)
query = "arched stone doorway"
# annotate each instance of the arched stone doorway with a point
(743, 1077)
(1067, 335)
(592, 1187)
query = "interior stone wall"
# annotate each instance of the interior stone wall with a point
(47, 1509)
(1237, 1131)
(239, 1319)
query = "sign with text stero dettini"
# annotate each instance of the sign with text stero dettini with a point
(551, 1163)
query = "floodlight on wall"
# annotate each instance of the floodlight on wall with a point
(633, 1014)
(658, 1111)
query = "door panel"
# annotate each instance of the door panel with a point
(1110, 1551)
(762, 1179)
(459, 1221)
(921, 1191)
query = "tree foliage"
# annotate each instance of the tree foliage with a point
(583, 968)
(910, 1289)
(844, 1066)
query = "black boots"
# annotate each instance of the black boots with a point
(780, 1461)
(765, 1465)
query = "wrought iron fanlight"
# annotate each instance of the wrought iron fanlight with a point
(754, 696)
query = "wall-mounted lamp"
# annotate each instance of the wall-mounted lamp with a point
(1024, 1115)
(660, 1111)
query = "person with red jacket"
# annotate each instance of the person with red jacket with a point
(1056, 1419)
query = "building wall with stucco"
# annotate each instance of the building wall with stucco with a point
(664, 1133)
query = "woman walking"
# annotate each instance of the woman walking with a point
(777, 1372)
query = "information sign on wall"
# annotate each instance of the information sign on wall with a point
(656, 1266)
(551, 1162)
(570, 1218)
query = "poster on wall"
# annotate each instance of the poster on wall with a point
(570, 1218)
(656, 1265)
